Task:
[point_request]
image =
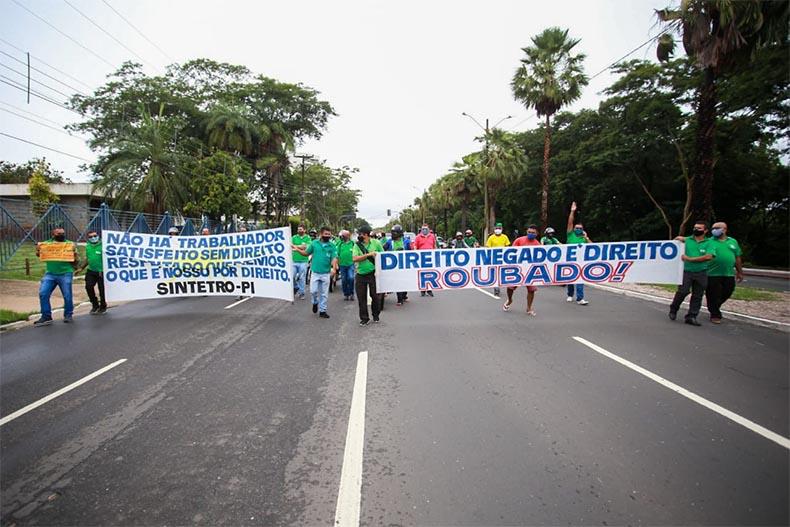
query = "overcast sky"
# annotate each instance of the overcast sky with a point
(399, 74)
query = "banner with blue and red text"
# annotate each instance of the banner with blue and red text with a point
(655, 262)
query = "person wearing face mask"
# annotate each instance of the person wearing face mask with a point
(699, 251)
(459, 242)
(531, 238)
(58, 274)
(549, 237)
(94, 276)
(397, 243)
(470, 239)
(364, 256)
(346, 263)
(498, 239)
(723, 271)
(576, 234)
(425, 240)
(323, 267)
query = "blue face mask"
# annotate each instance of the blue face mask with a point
(578, 232)
(93, 239)
(531, 236)
(425, 232)
(717, 233)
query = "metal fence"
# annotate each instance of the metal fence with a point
(23, 221)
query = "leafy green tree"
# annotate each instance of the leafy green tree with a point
(40, 193)
(550, 77)
(219, 187)
(14, 173)
(718, 35)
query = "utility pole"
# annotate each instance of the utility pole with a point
(303, 157)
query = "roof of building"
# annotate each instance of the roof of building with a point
(61, 189)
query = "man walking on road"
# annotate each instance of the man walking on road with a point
(576, 235)
(425, 240)
(344, 249)
(302, 241)
(58, 274)
(364, 255)
(698, 252)
(530, 239)
(323, 267)
(723, 271)
(498, 239)
(94, 276)
(397, 243)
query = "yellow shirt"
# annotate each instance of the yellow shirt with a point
(498, 240)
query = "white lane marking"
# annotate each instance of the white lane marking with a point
(754, 427)
(668, 301)
(44, 400)
(349, 496)
(492, 295)
(238, 302)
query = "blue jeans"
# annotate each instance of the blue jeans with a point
(347, 276)
(579, 291)
(48, 284)
(300, 271)
(319, 287)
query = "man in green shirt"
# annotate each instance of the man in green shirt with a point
(697, 255)
(364, 255)
(300, 240)
(470, 239)
(322, 267)
(346, 264)
(549, 237)
(58, 274)
(575, 235)
(723, 271)
(95, 274)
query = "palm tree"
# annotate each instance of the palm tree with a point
(549, 77)
(717, 34)
(228, 129)
(143, 169)
(503, 164)
(463, 183)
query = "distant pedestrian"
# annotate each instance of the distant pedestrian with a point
(498, 239)
(58, 274)
(323, 267)
(549, 237)
(300, 262)
(205, 231)
(94, 276)
(575, 235)
(698, 252)
(172, 231)
(397, 243)
(346, 263)
(425, 240)
(458, 242)
(469, 238)
(723, 271)
(364, 255)
(524, 241)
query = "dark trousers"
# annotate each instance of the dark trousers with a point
(401, 297)
(694, 283)
(364, 283)
(92, 279)
(719, 290)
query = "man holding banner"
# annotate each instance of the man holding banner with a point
(698, 252)
(363, 254)
(524, 241)
(576, 235)
(60, 256)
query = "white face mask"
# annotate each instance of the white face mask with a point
(497, 231)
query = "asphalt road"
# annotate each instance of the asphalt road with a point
(472, 416)
(766, 282)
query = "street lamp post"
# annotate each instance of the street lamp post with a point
(485, 176)
(303, 157)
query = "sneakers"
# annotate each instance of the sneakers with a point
(376, 320)
(715, 320)
(102, 311)
(301, 296)
(323, 314)
(68, 320)
(692, 321)
(95, 310)
(422, 293)
(364, 322)
(430, 293)
(43, 321)
(315, 308)
(582, 302)
(569, 299)
(673, 315)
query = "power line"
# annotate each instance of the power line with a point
(45, 147)
(53, 68)
(124, 46)
(24, 75)
(86, 48)
(14, 84)
(64, 132)
(17, 108)
(168, 57)
(41, 72)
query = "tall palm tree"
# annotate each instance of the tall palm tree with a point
(550, 77)
(143, 169)
(463, 182)
(504, 163)
(717, 34)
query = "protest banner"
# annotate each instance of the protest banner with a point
(657, 262)
(255, 263)
(56, 251)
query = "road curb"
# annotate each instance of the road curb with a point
(34, 316)
(764, 322)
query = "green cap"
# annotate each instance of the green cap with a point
(498, 225)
